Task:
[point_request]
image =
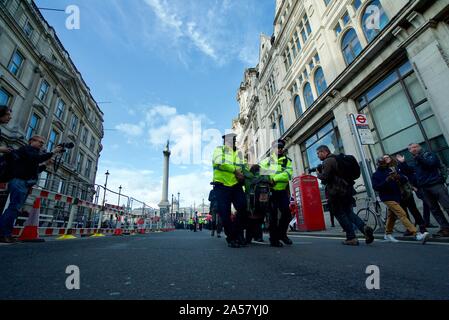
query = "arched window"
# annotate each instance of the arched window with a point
(351, 46)
(320, 82)
(308, 95)
(281, 125)
(298, 106)
(374, 19)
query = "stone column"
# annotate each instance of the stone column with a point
(165, 204)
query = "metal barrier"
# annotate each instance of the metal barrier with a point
(66, 215)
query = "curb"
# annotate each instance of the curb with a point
(359, 235)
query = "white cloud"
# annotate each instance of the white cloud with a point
(131, 130)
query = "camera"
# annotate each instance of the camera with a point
(65, 146)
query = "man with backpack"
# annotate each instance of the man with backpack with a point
(430, 177)
(338, 174)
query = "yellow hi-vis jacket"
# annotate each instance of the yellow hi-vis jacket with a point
(225, 161)
(279, 169)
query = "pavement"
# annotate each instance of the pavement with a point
(184, 265)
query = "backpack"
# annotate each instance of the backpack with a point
(348, 167)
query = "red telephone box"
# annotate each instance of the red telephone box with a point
(310, 215)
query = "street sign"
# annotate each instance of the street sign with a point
(363, 129)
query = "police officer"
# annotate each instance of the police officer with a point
(279, 167)
(228, 166)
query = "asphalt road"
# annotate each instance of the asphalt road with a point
(183, 265)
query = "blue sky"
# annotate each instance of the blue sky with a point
(171, 70)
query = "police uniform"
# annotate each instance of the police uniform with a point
(279, 168)
(227, 189)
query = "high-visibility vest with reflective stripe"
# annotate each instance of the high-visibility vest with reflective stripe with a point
(279, 169)
(225, 161)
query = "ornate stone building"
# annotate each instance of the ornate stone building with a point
(48, 97)
(387, 59)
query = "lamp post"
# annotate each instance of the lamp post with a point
(119, 193)
(104, 197)
(179, 206)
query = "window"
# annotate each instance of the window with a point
(79, 162)
(298, 106)
(326, 2)
(28, 29)
(52, 141)
(304, 29)
(400, 114)
(33, 126)
(281, 125)
(374, 20)
(92, 144)
(346, 19)
(60, 107)
(43, 90)
(16, 63)
(320, 82)
(308, 95)
(74, 123)
(68, 156)
(337, 29)
(88, 168)
(357, 4)
(85, 135)
(351, 46)
(5, 97)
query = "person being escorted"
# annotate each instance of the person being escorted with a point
(279, 167)
(339, 183)
(227, 180)
(387, 182)
(430, 179)
(26, 168)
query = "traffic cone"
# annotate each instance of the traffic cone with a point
(118, 229)
(30, 232)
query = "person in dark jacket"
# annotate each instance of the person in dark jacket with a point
(387, 181)
(5, 117)
(429, 179)
(28, 164)
(340, 197)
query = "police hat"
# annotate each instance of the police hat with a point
(229, 136)
(279, 143)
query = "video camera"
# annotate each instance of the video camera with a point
(65, 146)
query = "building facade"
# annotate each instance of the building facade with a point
(48, 97)
(327, 59)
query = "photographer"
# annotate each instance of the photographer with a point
(28, 163)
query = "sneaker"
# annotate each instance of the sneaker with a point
(422, 237)
(390, 238)
(408, 233)
(258, 240)
(276, 243)
(287, 241)
(233, 244)
(442, 233)
(369, 235)
(352, 242)
(8, 240)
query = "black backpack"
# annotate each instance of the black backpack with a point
(348, 168)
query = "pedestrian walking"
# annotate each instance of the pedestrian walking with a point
(387, 181)
(338, 174)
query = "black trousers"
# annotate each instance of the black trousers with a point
(280, 202)
(225, 196)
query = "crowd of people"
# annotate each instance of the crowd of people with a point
(394, 180)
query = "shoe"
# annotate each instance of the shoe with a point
(287, 241)
(352, 242)
(369, 235)
(258, 240)
(233, 244)
(408, 233)
(8, 240)
(442, 233)
(276, 243)
(423, 237)
(390, 238)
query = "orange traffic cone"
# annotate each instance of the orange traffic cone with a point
(30, 232)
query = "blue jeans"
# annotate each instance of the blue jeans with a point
(18, 192)
(348, 219)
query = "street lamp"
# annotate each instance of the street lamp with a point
(119, 193)
(104, 194)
